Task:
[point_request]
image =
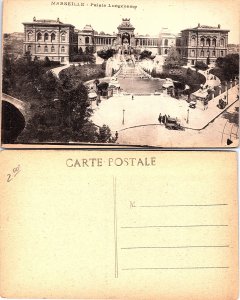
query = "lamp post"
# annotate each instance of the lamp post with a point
(123, 116)
(227, 91)
(187, 116)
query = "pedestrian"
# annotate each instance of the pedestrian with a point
(160, 118)
(132, 97)
(163, 119)
(116, 135)
(166, 119)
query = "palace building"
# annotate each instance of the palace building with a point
(203, 43)
(54, 39)
(60, 42)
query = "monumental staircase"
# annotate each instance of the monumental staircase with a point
(131, 69)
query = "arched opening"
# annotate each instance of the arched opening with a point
(29, 48)
(63, 37)
(46, 37)
(46, 49)
(208, 42)
(214, 42)
(30, 36)
(53, 37)
(125, 38)
(165, 51)
(222, 42)
(39, 36)
(52, 49)
(38, 48)
(62, 49)
(193, 53)
(193, 41)
(13, 122)
(87, 40)
(202, 42)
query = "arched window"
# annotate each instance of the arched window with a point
(62, 49)
(52, 49)
(202, 42)
(30, 36)
(53, 37)
(208, 42)
(46, 37)
(221, 52)
(29, 48)
(165, 51)
(86, 40)
(222, 42)
(38, 48)
(166, 42)
(63, 37)
(193, 53)
(214, 53)
(214, 42)
(39, 36)
(46, 49)
(202, 53)
(193, 41)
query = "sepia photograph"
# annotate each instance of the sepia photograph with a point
(120, 73)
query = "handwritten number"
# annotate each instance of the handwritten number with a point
(15, 171)
(9, 177)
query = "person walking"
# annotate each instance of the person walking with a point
(160, 118)
(132, 97)
(116, 136)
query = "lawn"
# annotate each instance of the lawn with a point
(82, 73)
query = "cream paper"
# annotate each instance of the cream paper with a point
(119, 225)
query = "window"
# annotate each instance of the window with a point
(86, 40)
(166, 42)
(29, 48)
(63, 37)
(53, 37)
(46, 49)
(193, 41)
(193, 53)
(221, 52)
(214, 42)
(165, 51)
(202, 53)
(38, 48)
(30, 36)
(222, 42)
(208, 42)
(39, 36)
(202, 42)
(214, 53)
(52, 49)
(46, 37)
(62, 49)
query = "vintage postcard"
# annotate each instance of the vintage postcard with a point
(119, 225)
(120, 73)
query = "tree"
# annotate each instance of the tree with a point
(229, 65)
(106, 54)
(173, 59)
(200, 65)
(80, 51)
(47, 62)
(208, 60)
(145, 54)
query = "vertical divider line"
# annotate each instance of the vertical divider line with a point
(115, 227)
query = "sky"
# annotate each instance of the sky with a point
(148, 16)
